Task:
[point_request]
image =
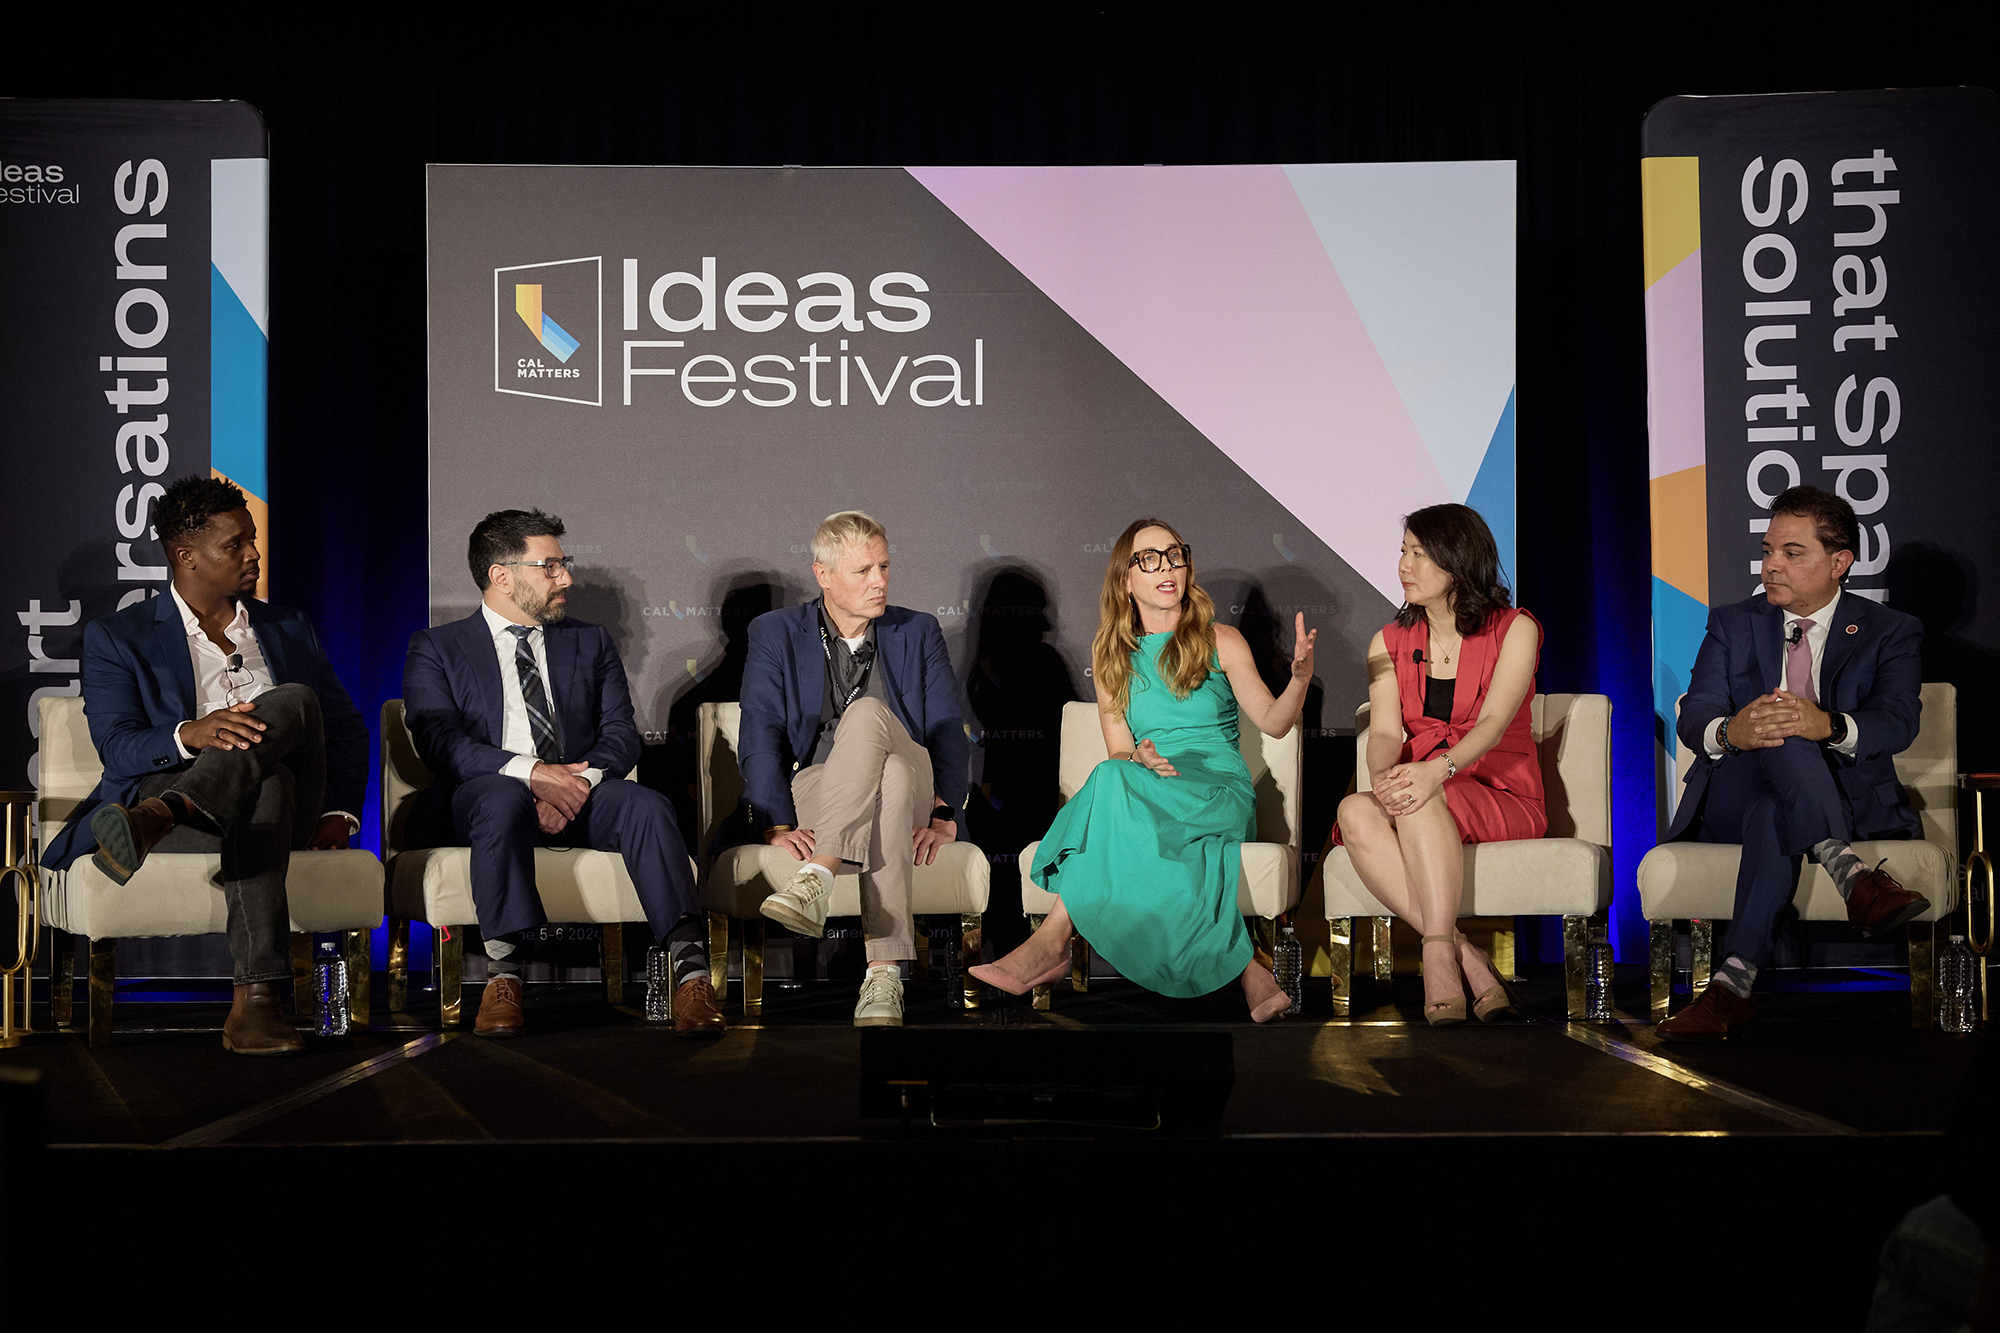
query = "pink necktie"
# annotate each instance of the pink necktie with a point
(1798, 665)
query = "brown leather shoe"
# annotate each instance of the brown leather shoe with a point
(125, 836)
(1716, 1015)
(695, 1011)
(256, 1024)
(1877, 903)
(500, 1009)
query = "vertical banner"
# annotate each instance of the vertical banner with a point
(1820, 282)
(133, 255)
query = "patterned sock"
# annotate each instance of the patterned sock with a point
(687, 948)
(503, 957)
(1737, 975)
(1840, 862)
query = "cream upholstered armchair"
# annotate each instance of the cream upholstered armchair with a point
(179, 893)
(740, 877)
(1567, 873)
(1269, 883)
(1696, 881)
(434, 885)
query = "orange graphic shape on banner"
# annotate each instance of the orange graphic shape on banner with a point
(1680, 531)
(260, 514)
(1670, 191)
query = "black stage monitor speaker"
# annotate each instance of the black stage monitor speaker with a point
(1178, 1081)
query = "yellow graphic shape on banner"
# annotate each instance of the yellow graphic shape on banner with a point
(260, 514)
(528, 305)
(1680, 530)
(1670, 193)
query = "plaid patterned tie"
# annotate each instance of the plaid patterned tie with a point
(540, 715)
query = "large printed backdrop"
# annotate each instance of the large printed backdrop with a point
(692, 367)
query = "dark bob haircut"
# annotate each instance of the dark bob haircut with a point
(1832, 518)
(1458, 541)
(189, 503)
(503, 535)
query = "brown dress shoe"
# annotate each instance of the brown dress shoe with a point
(500, 1009)
(1716, 1015)
(125, 836)
(695, 1011)
(256, 1024)
(1877, 903)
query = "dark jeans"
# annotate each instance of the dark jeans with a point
(1777, 803)
(495, 816)
(260, 805)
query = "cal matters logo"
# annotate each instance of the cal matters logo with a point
(548, 330)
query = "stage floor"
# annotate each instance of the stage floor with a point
(1817, 1062)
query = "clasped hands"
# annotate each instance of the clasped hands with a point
(1404, 789)
(924, 842)
(1770, 719)
(232, 728)
(559, 791)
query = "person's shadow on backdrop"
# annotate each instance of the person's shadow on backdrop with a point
(1016, 683)
(1940, 587)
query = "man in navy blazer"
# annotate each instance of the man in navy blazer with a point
(1800, 699)
(525, 717)
(221, 726)
(852, 749)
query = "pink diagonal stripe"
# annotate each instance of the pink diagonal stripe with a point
(1212, 286)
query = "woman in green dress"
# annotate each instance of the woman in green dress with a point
(1145, 858)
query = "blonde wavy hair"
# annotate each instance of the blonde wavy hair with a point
(1186, 659)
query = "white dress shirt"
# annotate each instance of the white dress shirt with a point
(517, 733)
(216, 683)
(1816, 640)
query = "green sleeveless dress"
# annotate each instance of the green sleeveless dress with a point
(1148, 866)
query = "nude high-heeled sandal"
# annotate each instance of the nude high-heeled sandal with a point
(1446, 1013)
(1496, 999)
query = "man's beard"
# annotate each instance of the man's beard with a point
(542, 610)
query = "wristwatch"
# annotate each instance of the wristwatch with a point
(945, 813)
(1838, 736)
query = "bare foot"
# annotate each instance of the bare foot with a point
(997, 976)
(1041, 959)
(1267, 998)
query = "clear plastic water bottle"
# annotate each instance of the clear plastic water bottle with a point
(659, 985)
(1958, 985)
(330, 978)
(1597, 980)
(1288, 966)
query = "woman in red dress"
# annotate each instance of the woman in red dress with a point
(1455, 670)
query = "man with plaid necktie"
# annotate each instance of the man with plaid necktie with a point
(524, 714)
(1800, 699)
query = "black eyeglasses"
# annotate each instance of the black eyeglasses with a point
(1175, 557)
(551, 567)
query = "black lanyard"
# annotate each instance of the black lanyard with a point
(826, 646)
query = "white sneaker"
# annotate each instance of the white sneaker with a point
(801, 905)
(881, 1004)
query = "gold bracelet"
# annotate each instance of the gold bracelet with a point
(778, 828)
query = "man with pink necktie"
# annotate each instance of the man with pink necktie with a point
(1799, 701)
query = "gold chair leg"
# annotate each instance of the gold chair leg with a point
(611, 951)
(1382, 944)
(1340, 952)
(399, 965)
(1041, 992)
(971, 941)
(1701, 956)
(1079, 963)
(920, 970)
(305, 996)
(360, 978)
(448, 961)
(1266, 933)
(1576, 963)
(1660, 941)
(62, 979)
(1923, 975)
(753, 968)
(103, 978)
(718, 954)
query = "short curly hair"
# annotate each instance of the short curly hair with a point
(189, 504)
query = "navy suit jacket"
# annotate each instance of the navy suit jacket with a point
(138, 687)
(455, 709)
(1873, 674)
(783, 681)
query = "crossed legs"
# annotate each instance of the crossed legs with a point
(1414, 864)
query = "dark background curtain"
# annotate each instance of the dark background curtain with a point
(356, 109)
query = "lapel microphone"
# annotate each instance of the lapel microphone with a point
(1417, 656)
(236, 661)
(1795, 633)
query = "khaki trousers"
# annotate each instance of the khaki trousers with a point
(865, 804)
